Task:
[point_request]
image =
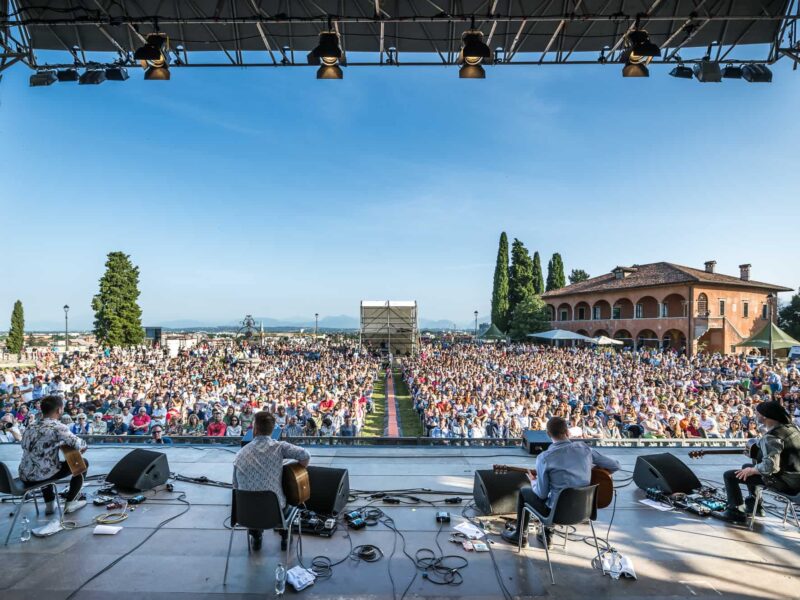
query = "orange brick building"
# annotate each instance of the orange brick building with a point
(664, 305)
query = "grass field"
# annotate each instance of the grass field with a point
(374, 422)
(409, 419)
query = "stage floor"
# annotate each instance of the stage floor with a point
(675, 554)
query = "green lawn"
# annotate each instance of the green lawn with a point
(374, 421)
(409, 419)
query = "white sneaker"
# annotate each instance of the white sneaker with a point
(71, 507)
(50, 508)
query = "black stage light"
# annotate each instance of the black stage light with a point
(43, 78)
(471, 72)
(732, 72)
(474, 51)
(682, 72)
(757, 74)
(153, 59)
(708, 72)
(92, 77)
(66, 75)
(116, 73)
(634, 68)
(333, 71)
(640, 45)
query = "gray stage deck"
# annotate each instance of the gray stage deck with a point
(675, 554)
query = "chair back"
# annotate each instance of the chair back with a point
(7, 481)
(575, 505)
(256, 510)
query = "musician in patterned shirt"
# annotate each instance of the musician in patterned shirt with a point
(40, 461)
(259, 465)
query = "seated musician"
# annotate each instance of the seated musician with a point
(40, 461)
(564, 464)
(778, 467)
(259, 465)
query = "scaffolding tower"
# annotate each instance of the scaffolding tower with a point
(389, 326)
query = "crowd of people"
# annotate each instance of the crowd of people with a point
(313, 387)
(498, 391)
(324, 388)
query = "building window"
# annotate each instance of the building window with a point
(616, 312)
(685, 309)
(596, 313)
(722, 308)
(639, 311)
(702, 305)
(582, 313)
(563, 315)
(745, 309)
(764, 312)
(663, 310)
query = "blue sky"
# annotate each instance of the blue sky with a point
(268, 192)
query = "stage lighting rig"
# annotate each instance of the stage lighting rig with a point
(153, 58)
(92, 76)
(43, 78)
(757, 74)
(682, 72)
(328, 54)
(474, 51)
(639, 51)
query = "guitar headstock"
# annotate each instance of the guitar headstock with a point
(500, 469)
(697, 454)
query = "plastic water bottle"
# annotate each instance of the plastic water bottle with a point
(25, 535)
(280, 579)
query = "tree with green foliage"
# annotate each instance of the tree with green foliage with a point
(520, 278)
(789, 317)
(16, 333)
(538, 278)
(555, 273)
(117, 316)
(500, 287)
(577, 275)
(529, 316)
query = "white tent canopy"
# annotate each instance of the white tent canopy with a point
(607, 341)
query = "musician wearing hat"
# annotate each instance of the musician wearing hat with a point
(778, 467)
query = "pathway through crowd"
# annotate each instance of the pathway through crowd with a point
(392, 427)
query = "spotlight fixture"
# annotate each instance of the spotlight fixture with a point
(153, 58)
(757, 74)
(116, 73)
(708, 72)
(682, 72)
(732, 72)
(639, 52)
(635, 70)
(43, 78)
(67, 75)
(92, 77)
(473, 52)
(328, 54)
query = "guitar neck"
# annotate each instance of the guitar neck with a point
(739, 451)
(517, 469)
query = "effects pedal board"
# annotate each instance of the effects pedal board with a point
(312, 524)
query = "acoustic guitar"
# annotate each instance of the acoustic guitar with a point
(600, 477)
(296, 485)
(74, 460)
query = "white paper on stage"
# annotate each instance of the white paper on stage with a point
(469, 530)
(656, 504)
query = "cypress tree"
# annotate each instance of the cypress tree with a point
(538, 278)
(555, 273)
(117, 316)
(16, 333)
(520, 281)
(500, 288)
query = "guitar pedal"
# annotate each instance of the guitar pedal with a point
(330, 523)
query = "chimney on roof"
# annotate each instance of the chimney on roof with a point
(710, 264)
(744, 272)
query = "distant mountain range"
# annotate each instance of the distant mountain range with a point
(330, 322)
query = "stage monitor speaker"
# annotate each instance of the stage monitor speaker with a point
(666, 472)
(496, 493)
(535, 441)
(140, 470)
(330, 489)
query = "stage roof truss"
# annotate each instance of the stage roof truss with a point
(268, 33)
